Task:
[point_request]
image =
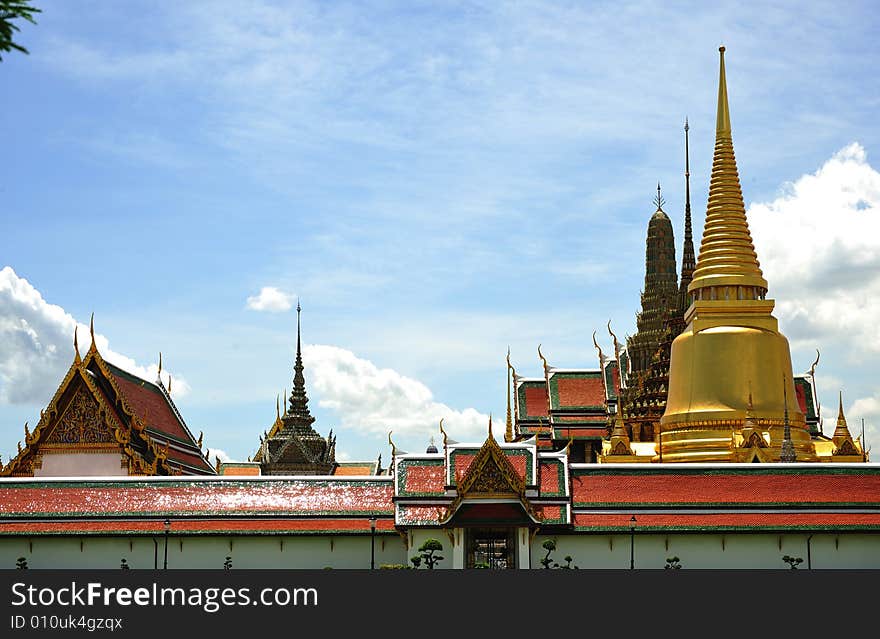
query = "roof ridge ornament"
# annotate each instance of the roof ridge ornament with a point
(601, 354)
(76, 357)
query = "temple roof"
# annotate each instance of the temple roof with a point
(117, 411)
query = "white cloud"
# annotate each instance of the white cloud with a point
(36, 345)
(819, 244)
(377, 400)
(218, 452)
(271, 300)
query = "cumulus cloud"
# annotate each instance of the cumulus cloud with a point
(370, 399)
(36, 345)
(271, 300)
(819, 244)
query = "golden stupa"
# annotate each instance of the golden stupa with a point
(731, 358)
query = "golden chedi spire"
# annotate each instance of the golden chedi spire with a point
(727, 256)
(731, 348)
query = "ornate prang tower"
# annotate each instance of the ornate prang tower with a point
(644, 399)
(732, 342)
(661, 290)
(292, 446)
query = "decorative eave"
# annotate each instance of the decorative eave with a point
(479, 484)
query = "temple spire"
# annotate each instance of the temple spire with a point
(508, 430)
(727, 255)
(688, 261)
(299, 402)
(787, 454)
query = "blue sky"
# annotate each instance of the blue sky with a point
(435, 181)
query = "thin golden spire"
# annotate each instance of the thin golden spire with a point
(842, 430)
(727, 254)
(508, 429)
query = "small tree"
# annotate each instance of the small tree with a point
(427, 550)
(21, 564)
(673, 563)
(124, 564)
(227, 565)
(793, 561)
(547, 562)
(416, 561)
(549, 546)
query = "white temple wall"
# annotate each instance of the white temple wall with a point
(734, 550)
(269, 551)
(741, 550)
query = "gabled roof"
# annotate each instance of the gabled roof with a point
(490, 476)
(127, 413)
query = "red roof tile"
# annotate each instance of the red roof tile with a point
(150, 405)
(426, 479)
(581, 391)
(549, 478)
(81, 498)
(536, 401)
(183, 526)
(725, 487)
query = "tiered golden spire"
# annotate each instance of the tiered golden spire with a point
(731, 349)
(727, 255)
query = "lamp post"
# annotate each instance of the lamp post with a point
(372, 543)
(167, 530)
(632, 542)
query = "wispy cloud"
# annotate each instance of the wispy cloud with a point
(270, 299)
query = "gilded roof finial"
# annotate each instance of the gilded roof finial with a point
(201, 437)
(601, 354)
(616, 343)
(27, 433)
(92, 332)
(76, 358)
(159, 374)
(490, 426)
(813, 365)
(169, 384)
(508, 426)
(442, 432)
(277, 409)
(544, 360)
(840, 417)
(391, 443)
